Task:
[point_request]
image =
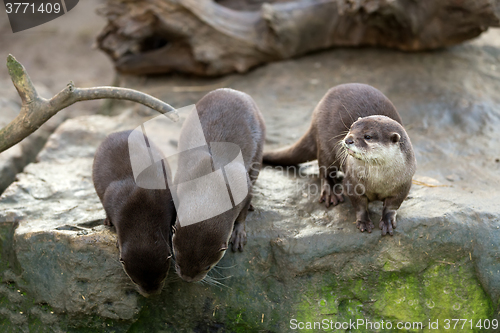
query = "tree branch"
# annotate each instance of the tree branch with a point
(36, 110)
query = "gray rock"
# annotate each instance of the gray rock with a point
(13, 160)
(56, 199)
(302, 261)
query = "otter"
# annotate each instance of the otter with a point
(226, 116)
(356, 130)
(143, 218)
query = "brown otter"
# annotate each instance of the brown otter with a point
(374, 152)
(143, 218)
(226, 116)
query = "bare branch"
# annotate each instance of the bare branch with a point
(21, 80)
(36, 110)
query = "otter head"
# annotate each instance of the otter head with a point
(143, 228)
(146, 264)
(374, 140)
(199, 247)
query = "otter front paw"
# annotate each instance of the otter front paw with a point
(387, 225)
(238, 238)
(365, 225)
(329, 197)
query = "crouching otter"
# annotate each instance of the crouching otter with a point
(231, 122)
(143, 218)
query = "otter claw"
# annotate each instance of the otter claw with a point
(386, 227)
(107, 221)
(238, 239)
(331, 198)
(362, 226)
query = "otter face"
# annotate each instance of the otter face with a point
(374, 140)
(197, 271)
(198, 248)
(147, 269)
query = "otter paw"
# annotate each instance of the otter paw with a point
(387, 226)
(238, 239)
(367, 225)
(330, 198)
(339, 197)
(107, 221)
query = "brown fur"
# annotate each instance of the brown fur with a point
(332, 119)
(143, 218)
(226, 115)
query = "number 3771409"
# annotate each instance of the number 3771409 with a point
(28, 7)
(462, 324)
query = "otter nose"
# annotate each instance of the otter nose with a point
(349, 141)
(187, 278)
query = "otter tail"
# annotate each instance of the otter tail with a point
(304, 150)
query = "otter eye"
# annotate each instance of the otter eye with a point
(367, 137)
(208, 268)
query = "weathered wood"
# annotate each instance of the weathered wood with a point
(213, 38)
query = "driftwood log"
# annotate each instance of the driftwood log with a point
(204, 37)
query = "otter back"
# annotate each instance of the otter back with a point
(143, 218)
(226, 116)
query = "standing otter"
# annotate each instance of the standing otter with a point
(232, 118)
(143, 218)
(374, 152)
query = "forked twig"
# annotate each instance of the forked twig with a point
(36, 110)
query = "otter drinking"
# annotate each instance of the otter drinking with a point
(226, 116)
(356, 129)
(143, 218)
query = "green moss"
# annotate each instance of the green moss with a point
(252, 304)
(441, 292)
(398, 298)
(16, 70)
(241, 321)
(330, 302)
(454, 292)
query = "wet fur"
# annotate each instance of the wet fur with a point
(226, 115)
(143, 218)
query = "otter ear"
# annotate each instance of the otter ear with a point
(121, 260)
(223, 248)
(395, 137)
